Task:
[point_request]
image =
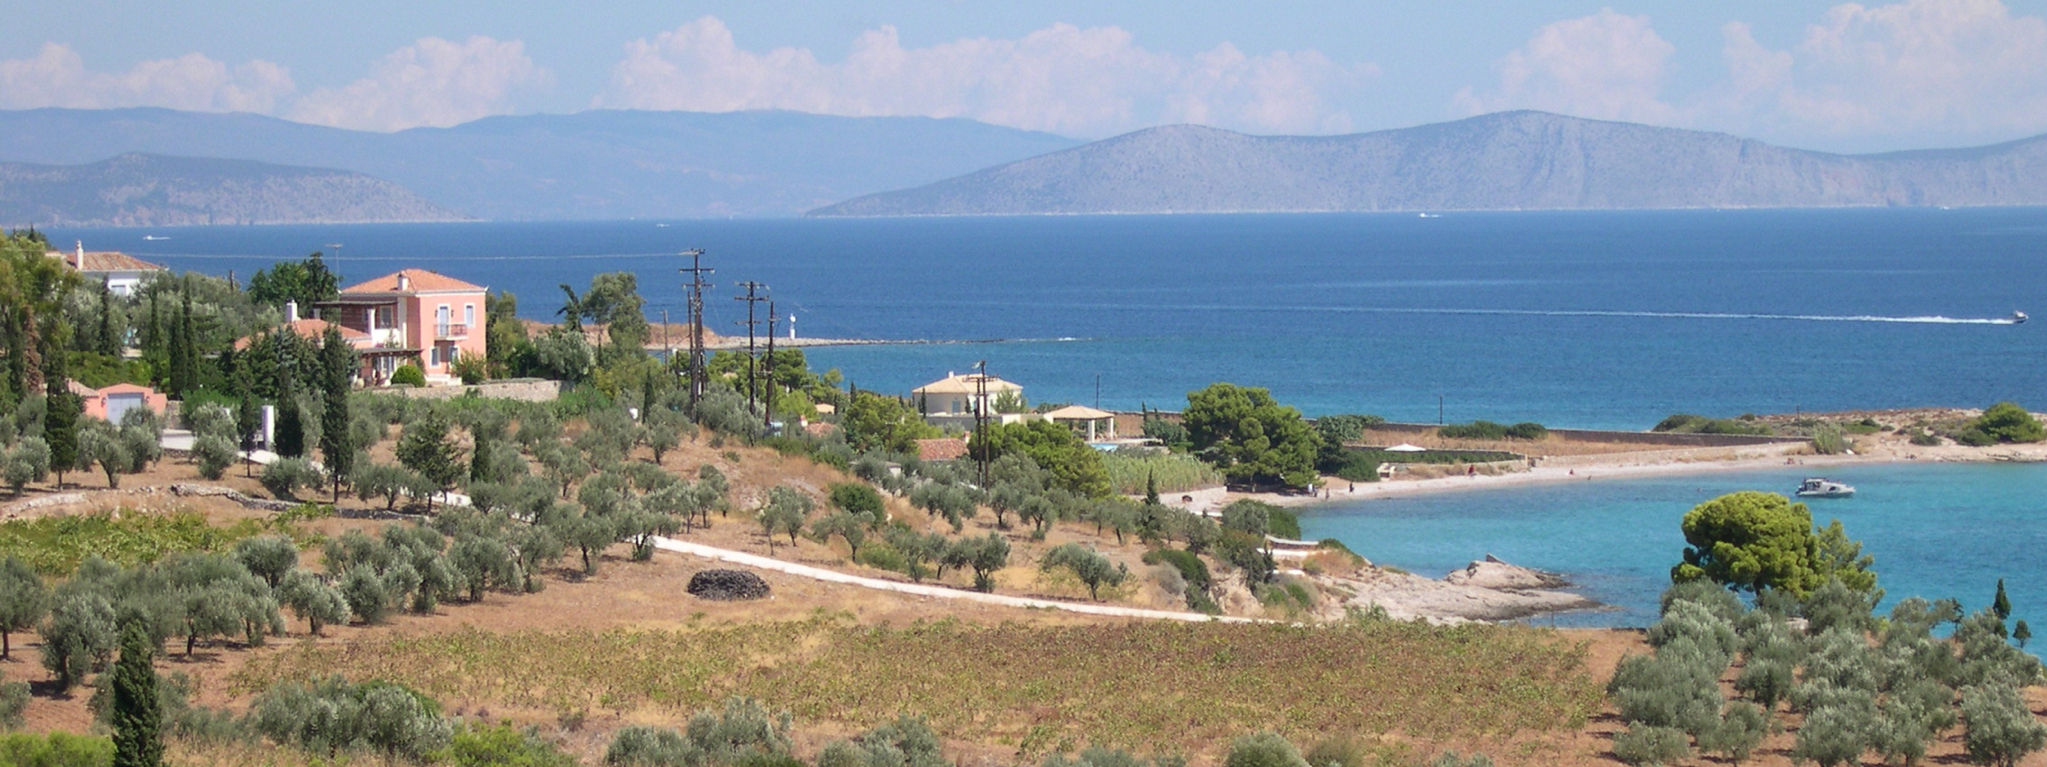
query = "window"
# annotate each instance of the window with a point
(434, 356)
(469, 316)
(384, 319)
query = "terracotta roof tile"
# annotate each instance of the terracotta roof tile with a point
(418, 280)
(941, 449)
(313, 328)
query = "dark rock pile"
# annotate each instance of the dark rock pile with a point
(727, 585)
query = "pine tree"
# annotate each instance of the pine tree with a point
(137, 715)
(2001, 604)
(109, 340)
(2020, 633)
(338, 365)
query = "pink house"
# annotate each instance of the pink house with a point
(411, 315)
(110, 403)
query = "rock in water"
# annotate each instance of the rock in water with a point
(727, 585)
(1491, 573)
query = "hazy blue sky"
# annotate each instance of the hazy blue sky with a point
(1812, 74)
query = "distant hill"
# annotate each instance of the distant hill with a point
(1505, 161)
(590, 165)
(152, 190)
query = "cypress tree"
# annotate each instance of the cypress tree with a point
(60, 417)
(2001, 604)
(291, 429)
(184, 352)
(337, 363)
(109, 340)
(647, 397)
(137, 716)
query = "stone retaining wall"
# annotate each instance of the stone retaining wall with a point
(523, 389)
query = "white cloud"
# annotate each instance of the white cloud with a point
(1060, 78)
(433, 82)
(1605, 66)
(1961, 68)
(57, 77)
(1916, 71)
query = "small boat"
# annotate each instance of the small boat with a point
(2018, 318)
(1819, 487)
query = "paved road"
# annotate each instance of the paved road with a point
(920, 589)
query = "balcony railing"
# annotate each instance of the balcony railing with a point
(451, 330)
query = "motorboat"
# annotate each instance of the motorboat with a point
(1821, 487)
(2018, 318)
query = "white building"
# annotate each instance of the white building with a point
(123, 273)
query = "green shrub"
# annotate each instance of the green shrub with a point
(284, 477)
(1527, 430)
(1974, 437)
(471, 368)
(215, 454)
(1645, 745)
(1451, 759)
(2002, 729)
(1924, 438)
(13, 701)
(1191, 567)
(857, 498)
(408, 375)
(1473, 430)
(1835, 734)
(57, 749)
(1684, 423)
(1742, 728)
(743, 733)
(1828, 440)
(1350, 464)
(332, 715)
(1265, 749)
(480, 745)
(2007, 422)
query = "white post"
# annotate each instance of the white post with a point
(269, 426)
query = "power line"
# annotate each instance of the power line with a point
(696, 285)
(752, 298)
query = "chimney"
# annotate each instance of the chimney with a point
(404, 282)
(291, 311)
(79, 262)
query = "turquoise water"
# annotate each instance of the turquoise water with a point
(1937, 530)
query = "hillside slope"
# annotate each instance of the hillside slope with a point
(1505, 161)
(151, 190)
(589, 165)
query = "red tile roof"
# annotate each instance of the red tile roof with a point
(419, 280)
(313, 328)
(941, 449)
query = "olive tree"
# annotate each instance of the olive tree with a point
(1089, 565)
(23, 601)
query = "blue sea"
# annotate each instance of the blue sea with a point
(1578, 319)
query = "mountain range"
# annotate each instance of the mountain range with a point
(1504, 161)
(598, 164)
(150, 190)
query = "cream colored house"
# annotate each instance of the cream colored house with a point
(954, 400)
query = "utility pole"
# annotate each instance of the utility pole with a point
(696, 285)
(1439, 410)
(667, 353)
(768, 412)
(981, 421)
(751, 298)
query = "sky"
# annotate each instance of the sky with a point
(1818, 75)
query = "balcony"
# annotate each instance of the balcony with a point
(447, 330)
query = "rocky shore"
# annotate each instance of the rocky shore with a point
(1485, 590)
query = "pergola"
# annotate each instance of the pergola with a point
(1074, 414)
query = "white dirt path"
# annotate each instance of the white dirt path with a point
(925, 590)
